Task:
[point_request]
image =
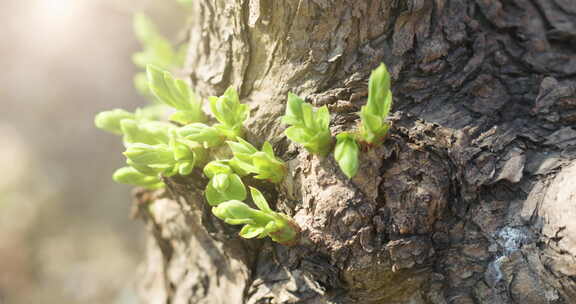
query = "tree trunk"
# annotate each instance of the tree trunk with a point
(471, 198)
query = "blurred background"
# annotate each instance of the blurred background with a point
(65, 232)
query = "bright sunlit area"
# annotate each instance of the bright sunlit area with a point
(65, 230)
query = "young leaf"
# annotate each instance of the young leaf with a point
(241, 147)
(262, 163)
(175, 93)
(258, 223)
(235, 212)
(216, 167)
(152, 112)
(155, 156)
(309, 126)
(177, 157)
(229, 112)
(130, 176)
(110, 120)
(225, 187)
(200, 132)
(146, 132)
(373, 115)
(268, 167)
(346, 154)
(250, 232)
(259, 200)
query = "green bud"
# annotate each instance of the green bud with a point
(150, 155)
(310, 126)
(260, 200)
(146, 132)
(152, 112)
(110, 120)
(229, 112)
(175, 93)
(216, 167)
(200, 132)
(185, 167)
(250, 232)
(378, 90)
(346, 154)
(130, 176)
(268, 167)
(221, 182)
(373, 115)
(262, 163)
(225, 187)
(241, 147)
(236, 213)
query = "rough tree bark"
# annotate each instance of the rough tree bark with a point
(471, 199)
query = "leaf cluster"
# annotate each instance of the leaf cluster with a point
(156, 148)
(309, 126)
(229, 113)
(160, 148)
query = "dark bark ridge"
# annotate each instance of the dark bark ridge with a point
(469, 200)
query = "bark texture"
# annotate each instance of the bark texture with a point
(471, 199)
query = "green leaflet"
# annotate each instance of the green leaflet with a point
(224, 184)
(208, 135)
(262, 163)
(131, 176)
(259, 222)
(373, 115)
(110, 120)
(225, 187)
(309, 126)
(346, 154)
(229, 112)
(156, 149)
(177, 157)
(152, 112)
(175, 93)
(217, 167)
(259, 200)
(149, 132)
